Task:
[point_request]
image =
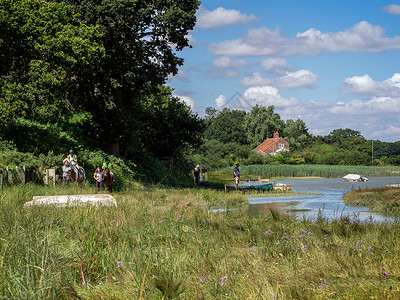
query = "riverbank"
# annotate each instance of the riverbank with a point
(166, 243)
(383, 200)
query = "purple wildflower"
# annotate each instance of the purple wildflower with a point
(179, 218)
(224, 280)
(385, 274)
(323, 285)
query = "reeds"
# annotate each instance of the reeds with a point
(333, 171)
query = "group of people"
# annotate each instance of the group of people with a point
(236, 175)
(71, 164)
(98, 174)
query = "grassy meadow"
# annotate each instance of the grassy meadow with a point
(171, 244)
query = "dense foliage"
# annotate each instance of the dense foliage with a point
(89, 76)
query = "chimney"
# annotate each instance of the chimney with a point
(276, 135)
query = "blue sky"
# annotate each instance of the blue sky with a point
(332, 64)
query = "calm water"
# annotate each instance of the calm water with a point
(326, 199)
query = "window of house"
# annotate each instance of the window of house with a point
(281, 146)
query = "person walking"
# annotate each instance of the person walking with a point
(66, 172)
(196, 173)
(98, 176)
(236, 175)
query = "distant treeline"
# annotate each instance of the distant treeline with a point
(231, 135)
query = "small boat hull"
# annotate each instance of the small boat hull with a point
(354, 178)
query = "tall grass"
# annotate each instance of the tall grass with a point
(315, 170)
(168, 244)
(382, 200)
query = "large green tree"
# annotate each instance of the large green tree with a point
(43, 46)
(261, 123)
(91, 68)
(141, 39)
(168, 127)
(296, 134)
(225, 126)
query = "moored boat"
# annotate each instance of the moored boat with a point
(282, 186)
(355, 178)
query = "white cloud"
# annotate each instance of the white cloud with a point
(377, 105)
(227, 62)
(180, 76)
(293, 80)
(230, 74)
(375, 118)
(366, 85)
(296, 80)
(192, 40)
(265, 96)
(227, 67)
(388, 131)
(264, 41)
(392, 9)
(186, 100)
(255, 79)
(221, 17)
(220, 101)
(276, 66)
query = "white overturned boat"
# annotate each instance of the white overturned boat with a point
(355, 178)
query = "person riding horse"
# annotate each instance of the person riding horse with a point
(108, 176)
(108, 165)
(77, 173)
(73, 160)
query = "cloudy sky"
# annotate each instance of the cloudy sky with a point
(332, 64)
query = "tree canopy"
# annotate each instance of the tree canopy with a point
(95, 70)
(225, 126)
(261, 123)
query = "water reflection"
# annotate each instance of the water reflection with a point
(325, 199)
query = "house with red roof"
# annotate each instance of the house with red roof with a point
(272, 146)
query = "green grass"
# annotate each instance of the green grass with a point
(381, 200)
(167, 244)
(277, 171)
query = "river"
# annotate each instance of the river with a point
(324, 199)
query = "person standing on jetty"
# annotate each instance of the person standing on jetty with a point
(236, 175)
